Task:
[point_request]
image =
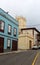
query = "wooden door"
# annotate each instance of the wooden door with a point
(30, 42)
(1, 44)
(14, 45)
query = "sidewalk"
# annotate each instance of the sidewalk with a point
(12, 52)
(38, 60)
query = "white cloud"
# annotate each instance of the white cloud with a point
(27, 8)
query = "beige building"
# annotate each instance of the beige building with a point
(22, 22)
(38, 39)
(27, 36)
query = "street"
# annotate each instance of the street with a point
(21, 58)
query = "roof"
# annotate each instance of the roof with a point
(9, 17)
(33, 28)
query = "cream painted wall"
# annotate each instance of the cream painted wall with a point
(22, 22)
(26, 35)
(28, 32)
(23, 42)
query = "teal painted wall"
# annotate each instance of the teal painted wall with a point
(13, 23)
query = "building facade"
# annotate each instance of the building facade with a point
(38, 38)
(27, 38)
(22, 23)
(8, 32)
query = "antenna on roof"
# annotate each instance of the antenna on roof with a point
(7, 12)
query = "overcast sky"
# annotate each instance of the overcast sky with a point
(30, 9)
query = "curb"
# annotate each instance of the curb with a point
(35, 58)
(5, 53)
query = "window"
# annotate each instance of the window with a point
(9, 29)
(8, 43)
(15, 31)
(1, 26)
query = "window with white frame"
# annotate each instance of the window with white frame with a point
(8, 43)
(1, 26)
(9, 29)
(15, 31)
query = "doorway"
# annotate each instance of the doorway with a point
(1, 44)
(30, 44)
(14, 45)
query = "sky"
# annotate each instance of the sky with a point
(30, 9)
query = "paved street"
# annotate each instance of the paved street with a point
(21, 58)
(38, 60)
